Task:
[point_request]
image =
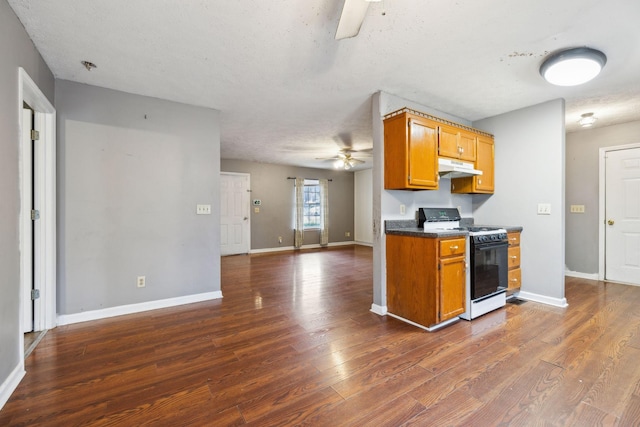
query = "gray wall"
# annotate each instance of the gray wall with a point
(582, 177)
(131, 170)
(16, 50)
(269, 183)
(529, 169)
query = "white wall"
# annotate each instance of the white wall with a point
(363, 206)
(131, 171)
(529, 169)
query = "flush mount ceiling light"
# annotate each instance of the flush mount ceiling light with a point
(573, 67)
(587, 120)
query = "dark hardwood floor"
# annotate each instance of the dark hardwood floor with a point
(293, 342)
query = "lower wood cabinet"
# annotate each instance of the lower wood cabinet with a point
(426, 278)
(515, 274)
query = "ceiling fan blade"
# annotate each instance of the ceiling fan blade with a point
(353, 14)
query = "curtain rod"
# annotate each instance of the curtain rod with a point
(317, 179)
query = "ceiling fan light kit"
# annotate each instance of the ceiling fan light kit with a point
(572, 67)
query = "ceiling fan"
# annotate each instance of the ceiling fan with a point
(343, 160)
(353, 14)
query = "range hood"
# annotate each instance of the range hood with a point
(449, 168)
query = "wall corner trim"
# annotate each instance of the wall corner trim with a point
(556, 302)
(11, 383)
(67, 319)
(380, 310)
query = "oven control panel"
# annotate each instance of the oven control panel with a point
(490, 238)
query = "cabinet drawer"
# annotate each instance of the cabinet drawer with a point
(514, 238)
(452, 247)
(514, 256)
(515, 277)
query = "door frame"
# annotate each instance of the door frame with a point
(248, 222)
(45, 179)
(602, 202)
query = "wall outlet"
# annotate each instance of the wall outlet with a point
(544, 209)
(403, 209)
(280, 239)
(347, 234)
(577, 208)
(142, 281)
(203, 209)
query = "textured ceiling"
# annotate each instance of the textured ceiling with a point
(288, 92)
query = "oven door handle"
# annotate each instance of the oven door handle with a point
(490, 246)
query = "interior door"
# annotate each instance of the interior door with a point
(234, 214)
(622, 216)
(28, 234)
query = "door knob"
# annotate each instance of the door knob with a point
(245, 218)
(610, 222)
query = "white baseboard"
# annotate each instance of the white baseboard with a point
(67, 319)
(380, 310)
(357, 242)
(11, 383)
(556, 302)
(590, 276)
(291, 248)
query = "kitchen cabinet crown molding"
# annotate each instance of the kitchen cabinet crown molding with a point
(436, 119)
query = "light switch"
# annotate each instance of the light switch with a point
(577, 208)
(256, 210)
(544, 209)
(203, 209)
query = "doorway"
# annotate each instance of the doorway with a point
(620, 214)
(235, 222)
(37, 188)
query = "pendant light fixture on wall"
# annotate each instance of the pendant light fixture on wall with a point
(572, 67)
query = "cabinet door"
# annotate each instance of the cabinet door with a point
(485, 162)
(423, 147)
(452, 288)
(467, 146)
(448, 142)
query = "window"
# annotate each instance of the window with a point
(311, 204)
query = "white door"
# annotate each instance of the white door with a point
(27, 234)
(622, 216)
(234, 213)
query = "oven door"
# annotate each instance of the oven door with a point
(489, 269)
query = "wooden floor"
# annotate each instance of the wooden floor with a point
(293, 342)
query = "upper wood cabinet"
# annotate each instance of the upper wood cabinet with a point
(456, 143)
(481, 184)
(410, 153)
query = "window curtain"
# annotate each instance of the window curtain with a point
(324, 212)
(298, 235)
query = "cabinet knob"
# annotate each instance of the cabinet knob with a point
(514, 280)
(513, 238)
(453, 248)
(513, 257)
(479, 181)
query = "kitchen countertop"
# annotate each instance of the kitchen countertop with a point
(410, 228)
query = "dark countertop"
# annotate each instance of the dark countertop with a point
(410, 228)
